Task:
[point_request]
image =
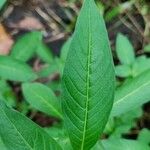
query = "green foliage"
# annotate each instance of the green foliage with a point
(132, 94)
(29, 45)
(123, 144)
(147, 48)
(7, 94)
(15, 70)
(123, 70)
(2, 2)
(26, 45)
(23, 133)
(125, 50)
(42, 98)
(44, 53)
(144, 136)
(88, 80)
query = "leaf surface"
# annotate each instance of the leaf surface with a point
(12, 69)
(2, 2)
(26, 45)
(88, 79)
(42, 98)
(44, 53)
(125, 50)
(20, 133)
(132, 94)
(123, 144)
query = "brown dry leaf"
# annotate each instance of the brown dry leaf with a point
(6, 41)
(28, 23)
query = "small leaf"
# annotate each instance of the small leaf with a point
(123, 144)
(26, 45)
(125, 50)
(42, 98)
(123, 70)
(7, 94)
(147, 48)
(132, 94)
(88, 79)
(12, 69)
(141, 64)
(144, 136)
(44, 53)
(22, 133)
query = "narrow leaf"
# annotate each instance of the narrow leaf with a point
(132, 94)
(12, 69)
(125, 50)
(42, 98)
(20, 133)
(88, 79)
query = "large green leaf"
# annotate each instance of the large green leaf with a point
(2, 2)
(132, 94)
(19, 133)
(26, 45)
(65, 49)
(125, 51)
(88, 79)
(12, 69)
(42, 98)
(123, 144)
(2, 146)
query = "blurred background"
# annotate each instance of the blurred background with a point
(55, 21)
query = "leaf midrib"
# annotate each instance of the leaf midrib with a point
(87, 82)
(17, 130)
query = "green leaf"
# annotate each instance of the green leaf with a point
(12, 69)
(144, 136)
(88, 79)
(125, 50)
(26, 45)
(123, 144)
(98, 146)
(123, 70)
(7, 94)
(44, 53)
(141, 64)
(2, 2)
(60, 136)
(147, 48)
(22, 133)
(132, 94)
(54, 67)
(42, 98)
(65, 49)
(2, 146)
